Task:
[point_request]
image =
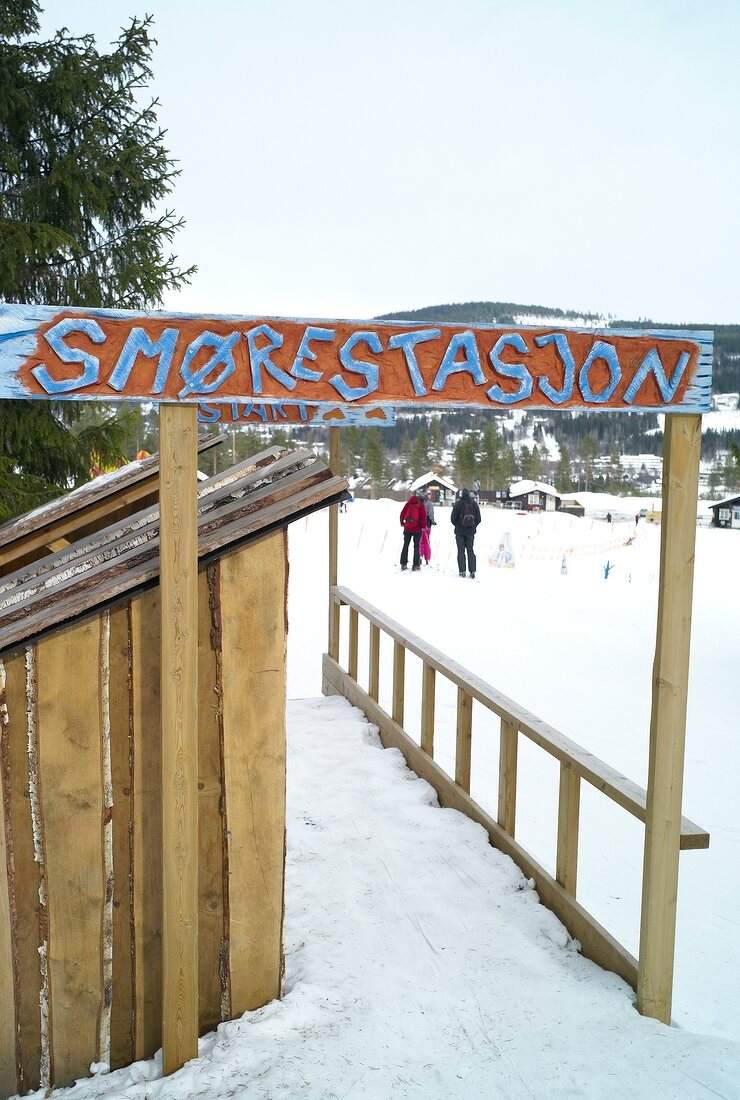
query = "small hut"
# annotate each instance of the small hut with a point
(726, 513)
(441, 489)
(534, 496)
(80, 748)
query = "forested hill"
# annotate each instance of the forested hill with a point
(726, 375)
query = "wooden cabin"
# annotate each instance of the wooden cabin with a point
(726, 513)
(533, 496)
(81, 933)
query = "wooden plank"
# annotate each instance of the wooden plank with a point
(374, 662)
(596, 943)
(146, 815)
(600, 775)
(428, 687)
(353, 639)
(122, 1047)
(8, 910)
(253, 619)
(566, 864)
(211, 828)
(507, 772)
(662, 369)
(682, 443)
(178, 431)
(25, 876)
(71, 800)
(464, 739)
(333, 643)
(399, 677)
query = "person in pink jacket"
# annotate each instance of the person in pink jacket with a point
(413, 522)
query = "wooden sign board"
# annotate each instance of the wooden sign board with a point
(51, 352)
(295, 412)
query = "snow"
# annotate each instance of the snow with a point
(419, 962)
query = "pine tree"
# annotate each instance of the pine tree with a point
(565, 478)
(420, 453)
(83, 167)
(375, 459)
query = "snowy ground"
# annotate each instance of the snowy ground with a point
(418, 961)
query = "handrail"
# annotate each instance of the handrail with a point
(627, 794)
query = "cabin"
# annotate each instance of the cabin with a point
(441, 489)
(531, 496)
(81, 940)
(726, 513)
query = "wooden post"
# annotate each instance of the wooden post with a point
(464, 739)
(569, 805)
(399, 682)
(353, 637)
(428, 685)
(507, 765)
(681, 453)
(333, 645)
(373, 687)
(178, 429)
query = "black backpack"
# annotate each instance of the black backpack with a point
(467, 514)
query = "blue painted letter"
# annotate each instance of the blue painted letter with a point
(305, 352)
(260, 357)
(370, 370)
(208, 414)
(470, 364)
(138, 341)
(408, 341)
(510, 370)
(607, 352)
(652, 362)
(196, 382)
(560, 340)
(55, 339)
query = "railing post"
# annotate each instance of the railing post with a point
(399, 677)
(353, 631)
(464, 739)
(373, 685)
(428, 685)
(333, 643)
(566, 867)
(681, 453)
(507, 764)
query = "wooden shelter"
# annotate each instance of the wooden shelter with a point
(81, 940)
(726, 513)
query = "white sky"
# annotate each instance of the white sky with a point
(348, 159)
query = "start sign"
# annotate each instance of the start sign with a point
(59, 353)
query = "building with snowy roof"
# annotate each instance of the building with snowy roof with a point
(534, 495)
(441, 489)
(726, 513)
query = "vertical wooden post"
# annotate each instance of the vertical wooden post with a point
(569, 805)
(373, 685)
(353, 637)
(681, 454)
(428, 686)
(333, 645)
(179, 687)
(507, 765)
(399, 681)
(464, 739)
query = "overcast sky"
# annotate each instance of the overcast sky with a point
(345, 159)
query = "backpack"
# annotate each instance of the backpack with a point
(467, 514)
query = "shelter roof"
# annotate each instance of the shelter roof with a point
(521, 488)
(97, 503)
(726, 503)
(432, 478)
(254, 498)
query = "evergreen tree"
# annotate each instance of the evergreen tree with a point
(564, 476)
(465, 459)
(83, 167)
(491, 448)
(375, 459)
(435, 442)
(589, 449)
(420, 454)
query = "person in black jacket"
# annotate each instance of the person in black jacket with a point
(465, 517)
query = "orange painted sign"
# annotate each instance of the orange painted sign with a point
(47, 352)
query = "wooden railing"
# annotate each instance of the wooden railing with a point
(576, 763)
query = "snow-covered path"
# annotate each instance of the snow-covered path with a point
(419, 963)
